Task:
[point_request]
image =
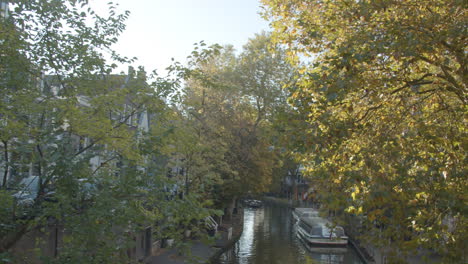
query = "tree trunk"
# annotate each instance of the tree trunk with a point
(231, 208)
(187, 187)
(5, 174)
(294, 187)
(10, 239)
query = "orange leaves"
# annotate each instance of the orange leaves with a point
(375, 214)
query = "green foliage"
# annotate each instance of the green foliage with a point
(98, 173)
(230, 103)
(6, 211)
(384, 98)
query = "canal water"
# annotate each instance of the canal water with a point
(269, 237)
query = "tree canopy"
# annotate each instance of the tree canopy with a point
(79, 151)
(369, 96)
(234, 100)
(384, 95)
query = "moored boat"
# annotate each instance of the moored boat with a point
(253, 203)
(316, 231)
(299, 213)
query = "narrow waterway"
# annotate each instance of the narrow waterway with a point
(269, 237)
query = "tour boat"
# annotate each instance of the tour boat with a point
(316, 231)
(299, 213)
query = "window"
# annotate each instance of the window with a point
(3, 8)
(316, 231)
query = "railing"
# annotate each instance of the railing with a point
(211, 223)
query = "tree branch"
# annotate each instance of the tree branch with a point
(370, 109)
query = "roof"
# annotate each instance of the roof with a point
(315, 221)
(306, 212)
(323, 226)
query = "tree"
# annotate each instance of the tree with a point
(196, 160)
(384, 98)
(75, 150)
(235, 99)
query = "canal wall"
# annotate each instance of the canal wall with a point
(199, 251)
(237, 229)
(281, 201)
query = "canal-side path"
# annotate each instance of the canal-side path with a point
(199, 251)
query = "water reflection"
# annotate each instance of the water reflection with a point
(270, 237)
(252, 221)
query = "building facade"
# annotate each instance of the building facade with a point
(3, 8)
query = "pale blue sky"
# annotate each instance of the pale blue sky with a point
(160, 29)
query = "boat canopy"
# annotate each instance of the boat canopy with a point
(306, 212)
(317, 226)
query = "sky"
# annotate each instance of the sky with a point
(158, 30)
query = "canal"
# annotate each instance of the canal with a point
(269, 237)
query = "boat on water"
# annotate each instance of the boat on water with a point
(253, 203)
(299, 213)
(326, 254)
(318, 232)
